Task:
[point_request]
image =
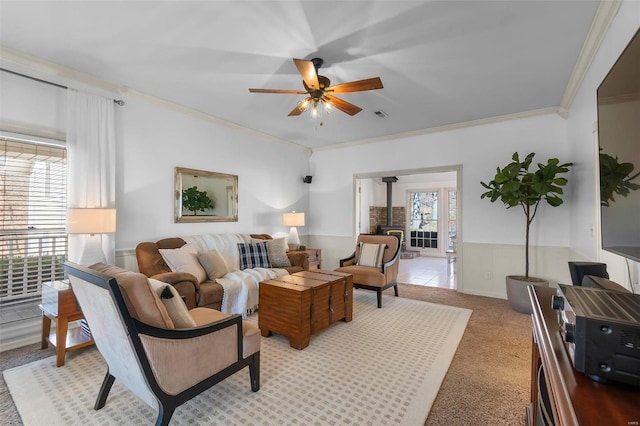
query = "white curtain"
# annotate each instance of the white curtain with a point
(91, 163)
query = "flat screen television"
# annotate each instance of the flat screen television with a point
(619, 158)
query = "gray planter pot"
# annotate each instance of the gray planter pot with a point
(517, 291)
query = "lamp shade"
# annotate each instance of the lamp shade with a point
(91, 221)
(293, 219)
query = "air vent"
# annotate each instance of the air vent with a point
(381, 114)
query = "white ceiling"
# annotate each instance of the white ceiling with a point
(441, 62)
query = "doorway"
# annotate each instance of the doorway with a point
(426, 204)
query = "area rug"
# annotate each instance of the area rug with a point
(383, 368)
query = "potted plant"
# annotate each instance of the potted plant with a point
(195, 200)
(515, 186)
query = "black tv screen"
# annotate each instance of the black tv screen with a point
(619, 158)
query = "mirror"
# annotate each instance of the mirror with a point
(202, 196)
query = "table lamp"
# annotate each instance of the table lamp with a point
(293, 219)
(92, 222)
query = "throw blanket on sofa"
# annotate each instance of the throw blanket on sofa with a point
(240, 286)
(241, 289)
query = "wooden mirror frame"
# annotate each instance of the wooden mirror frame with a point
(221, 188)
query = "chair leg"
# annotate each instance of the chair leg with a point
(164, 414)
(379, 294)
(395, 289)
(104, 391)
(254, 372)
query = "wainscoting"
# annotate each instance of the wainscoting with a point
(485, 266)
(481, 267)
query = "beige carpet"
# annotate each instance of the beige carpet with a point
(383, 368)
(488, 382)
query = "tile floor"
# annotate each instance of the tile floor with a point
(427, 271)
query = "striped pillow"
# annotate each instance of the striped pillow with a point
(371, 254)
(254, 255)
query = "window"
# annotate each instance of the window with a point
(453, 219)
(424, 219)
(425, 226)
(33, 241)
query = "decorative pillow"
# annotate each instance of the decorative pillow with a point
(174, 304)
(277, 249)
(142, 301)
(254, 255)
(184, 259)
(213, 264)
(371, 254)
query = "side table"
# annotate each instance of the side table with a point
(59, 305)
(315, 257)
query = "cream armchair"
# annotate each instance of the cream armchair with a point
(163, 365)
(374, 263)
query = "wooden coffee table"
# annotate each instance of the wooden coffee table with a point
(304, 303)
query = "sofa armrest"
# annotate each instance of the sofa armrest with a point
(299, 258)
(186, 284)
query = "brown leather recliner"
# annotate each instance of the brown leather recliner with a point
(206, 294)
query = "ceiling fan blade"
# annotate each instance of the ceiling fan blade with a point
(301, 107)
(356, 86)
(308, 73)
(285, 91)
(342, 105)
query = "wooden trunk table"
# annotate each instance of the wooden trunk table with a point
(304, 303)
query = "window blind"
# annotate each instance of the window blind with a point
(33, 193)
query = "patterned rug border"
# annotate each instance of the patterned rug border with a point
(290, 392)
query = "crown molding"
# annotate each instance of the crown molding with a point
(602, 20)
(447, 128)
(207, 117)
(70, 77)
(30, 131)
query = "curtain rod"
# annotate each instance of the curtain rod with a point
(119, 102)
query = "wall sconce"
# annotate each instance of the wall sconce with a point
(307, 179)
(293, 219)
(91, 222)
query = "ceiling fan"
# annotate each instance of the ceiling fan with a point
(319, 89)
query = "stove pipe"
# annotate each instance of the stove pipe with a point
(389, 180)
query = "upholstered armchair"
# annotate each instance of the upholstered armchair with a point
(145, 350)
(374, 263)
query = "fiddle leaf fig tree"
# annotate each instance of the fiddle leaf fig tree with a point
(195, 200)
(515, 185)
(615, 178)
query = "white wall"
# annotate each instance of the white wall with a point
(474, 148)
(584, 236)
(152, 139)
(25, 103)
(478, 150)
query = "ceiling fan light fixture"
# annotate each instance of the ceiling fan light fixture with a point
(319, 90)
(328, 106)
